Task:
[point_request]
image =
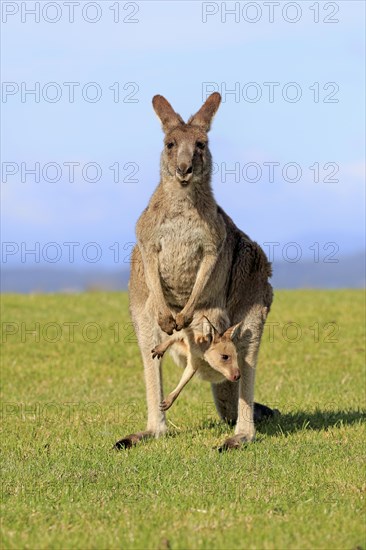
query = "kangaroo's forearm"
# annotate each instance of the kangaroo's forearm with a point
(151, 268)
(203, 275)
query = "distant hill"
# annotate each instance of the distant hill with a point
(26, 280)
(349, 272)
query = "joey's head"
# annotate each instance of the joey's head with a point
(222, 355)
(186, 158)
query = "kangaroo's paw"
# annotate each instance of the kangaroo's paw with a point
(235, 442)
(132, 440)
(157, 352)
(183, 320)
(202, 338)
(166, 322)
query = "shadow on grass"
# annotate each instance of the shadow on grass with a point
(317, 419)
(286, 423)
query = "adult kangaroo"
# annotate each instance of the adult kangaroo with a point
(189, 256)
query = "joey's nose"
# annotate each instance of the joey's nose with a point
(236, 376)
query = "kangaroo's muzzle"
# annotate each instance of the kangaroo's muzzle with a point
(184, 173)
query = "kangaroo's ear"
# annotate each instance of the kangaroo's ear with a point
(168, 117)
(204, 116)
(233, 332)
(214, 330)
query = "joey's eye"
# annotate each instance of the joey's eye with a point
(224, 357)
(170, 144)
(200, 145)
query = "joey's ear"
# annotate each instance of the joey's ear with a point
(209, 338)
(233, 332)
(204, 116)
(214, 329)
(168, 117)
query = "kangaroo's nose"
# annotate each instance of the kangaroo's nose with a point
(183, 169)
(236, 376)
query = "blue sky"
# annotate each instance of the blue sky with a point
(171, 51)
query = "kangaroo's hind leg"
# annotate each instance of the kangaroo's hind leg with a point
(248, 348)
(147, 334)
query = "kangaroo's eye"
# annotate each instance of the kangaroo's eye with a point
(170, 144)
(200, 145)
(224, 357)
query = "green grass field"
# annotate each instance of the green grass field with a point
(72, 384)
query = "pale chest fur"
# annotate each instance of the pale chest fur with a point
(182, 243)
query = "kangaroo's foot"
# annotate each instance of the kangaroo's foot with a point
(158, 351)
(235, 442)
(166, 403)
(132, 440)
